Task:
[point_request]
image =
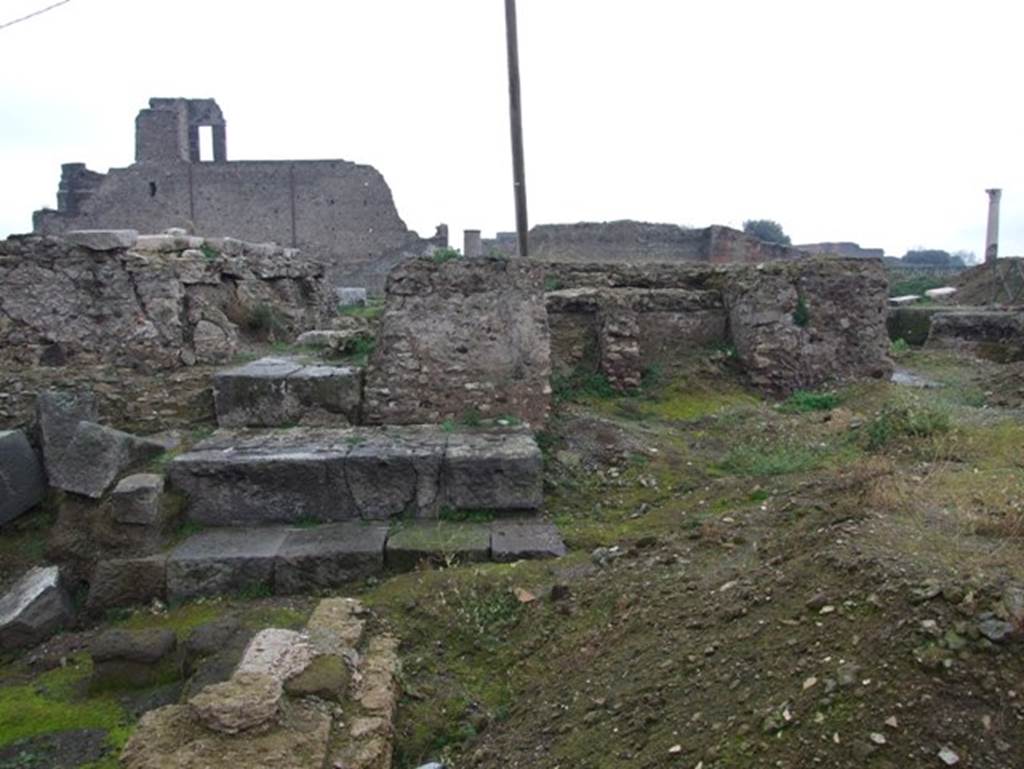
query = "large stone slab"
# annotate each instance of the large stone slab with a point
(121, 582)
(437, 542)
(239, 478)
(493, 471)
(396, 472)
(103, 240)
(328, 556)
(58, 414)
(35, 608)
(95, 457)
(22, 482)
(517, 540)
(280, 392)
(222, 561)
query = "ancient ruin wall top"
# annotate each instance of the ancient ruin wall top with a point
(169, 130)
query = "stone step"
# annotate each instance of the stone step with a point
(288, 560)
(249, 477)
(280, 392)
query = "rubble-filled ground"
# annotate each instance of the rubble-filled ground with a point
(834, 581)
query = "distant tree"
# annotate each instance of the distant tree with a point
(968, 258)
(767, 229)
(933, 257)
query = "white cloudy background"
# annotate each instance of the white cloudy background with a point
(879, 122)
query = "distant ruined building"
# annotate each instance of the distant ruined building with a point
(337, 212)
(842, 249)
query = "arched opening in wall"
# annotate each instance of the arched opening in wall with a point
(205, 144)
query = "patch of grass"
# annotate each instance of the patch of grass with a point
(210, 253)
(471, 418)
(551, 283)
(181, 619)
(254, 591)
(448, 425)
(899, 347)
(56, 702)
(447, 254)
(361, 348)
(581, 385)
(767, 460)
(908, 419)
(802, 314)
(368, 311)
(917, 284)
(803, 401)
(465, 516)
(287, 617)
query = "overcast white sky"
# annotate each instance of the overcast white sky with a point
(880, 122)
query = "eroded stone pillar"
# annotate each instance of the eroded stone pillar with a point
(472, 246)
(220, 144)
(992, 234)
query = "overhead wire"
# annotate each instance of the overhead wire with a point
(32, 15)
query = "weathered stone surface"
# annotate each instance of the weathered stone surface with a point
(500, 470)
(336, 626)
(22, 482)
(521, 539)
(136, 499)
(462, 336)
(994, 334)
(33, 609)
(103, 240)
(396, 472)
(222, 561)
(122, 582)
(327, 677)
(246, 701)
(158, 308)
(437, 542)
(280, 392)
(350, 297)
(95, 457)
(328, 556)
(277, 653)
(58, 414)
(171, 738)
(238, 478)
(132, 658)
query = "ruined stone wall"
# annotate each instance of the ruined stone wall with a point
(342, 212)
(156, 301)
(458, 339)
(642, 242)
(794, 324)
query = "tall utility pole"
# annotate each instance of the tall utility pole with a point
(516, 117)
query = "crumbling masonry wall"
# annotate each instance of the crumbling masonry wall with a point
(158, 301)
(461, 339)
(794, 324)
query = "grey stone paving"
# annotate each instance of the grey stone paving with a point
(437, 542)
(515, 540)
(220, 561)
(328, 556)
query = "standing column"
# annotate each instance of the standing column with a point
(220, 144)
(471, 245)
(992, 234)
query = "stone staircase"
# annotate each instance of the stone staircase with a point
(289, 509)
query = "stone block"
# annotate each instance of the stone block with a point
(136, 500)
(34, 608)
(103, 240)
(237, 479)
(22, 482)
(96, 456)
(500, 470)
(396, 472)
(247, 701)
(328, 556)
(122, 582)
(277, 392)
(277, 653)
(58, 414)
(517, 540)
(437, 542)
(336, 626)
(223, 561)
(133, 658)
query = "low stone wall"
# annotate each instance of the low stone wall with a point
(160, 301)
(795, 324)
(994, 334)
(462, 338)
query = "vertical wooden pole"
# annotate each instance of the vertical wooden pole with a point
(516, 117)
